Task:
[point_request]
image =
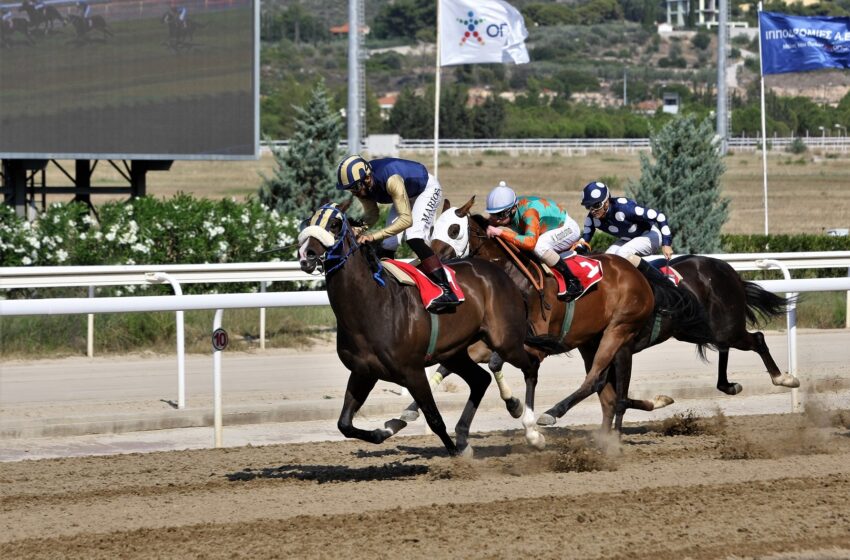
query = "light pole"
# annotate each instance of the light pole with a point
(841, 127)
(822, 135)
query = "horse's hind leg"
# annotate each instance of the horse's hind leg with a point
(723, 383)
(612, 340)
(478, 381)
(755, 342)
(411, 413)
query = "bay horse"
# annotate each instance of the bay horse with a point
(46, 16)
(385, 333)
(730, 304)
(83, 26)
(179, 34)
(605, 319)
(14, 25)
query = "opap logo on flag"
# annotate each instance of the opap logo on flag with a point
(479, 31)
(470, 25)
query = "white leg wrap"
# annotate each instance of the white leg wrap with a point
(436, 379)
(504, 391)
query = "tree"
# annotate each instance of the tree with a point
(411, 116)
(684, 182)
(305, 176)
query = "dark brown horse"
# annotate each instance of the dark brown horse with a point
(41, 19)
(8, 28)
(606, 318)
(385, 333)
(83, 26)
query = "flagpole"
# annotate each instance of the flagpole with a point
(763, 123)
(437, 100)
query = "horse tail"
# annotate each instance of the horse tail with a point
(546, 343)
(762, 305)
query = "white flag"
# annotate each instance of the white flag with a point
(481, 31)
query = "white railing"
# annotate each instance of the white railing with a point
(583, 145)
(283, 299)
(69, 276)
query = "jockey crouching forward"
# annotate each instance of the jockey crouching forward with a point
(415, 196)
(641, 230)
(535, 224)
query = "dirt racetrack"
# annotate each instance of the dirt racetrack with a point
(719, 487)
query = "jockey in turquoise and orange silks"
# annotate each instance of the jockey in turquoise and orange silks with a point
(537, 225)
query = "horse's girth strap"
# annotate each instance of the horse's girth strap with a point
(509, 249)
(435, 333)
(656, 329)
(568, 318)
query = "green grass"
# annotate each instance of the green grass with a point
(121, 333)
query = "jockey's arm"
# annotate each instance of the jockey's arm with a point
(531, 232)
(589, 229)
(395, 187)
(370, 211)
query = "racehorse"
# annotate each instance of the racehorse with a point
(384, 331)
(605, 319)
(46, 16)
(15, 25)
(179, 34)
(725, 304)
(730, 304)
(82, 26)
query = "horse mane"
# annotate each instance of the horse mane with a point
(524, 256)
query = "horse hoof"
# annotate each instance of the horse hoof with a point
(786, 380)
(409, 416)
(466, 452)
(536, 440)
(546, 419)
(515, 407)
(660, 401)
(731, 388)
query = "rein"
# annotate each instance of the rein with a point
(537, 281)
(334, 257)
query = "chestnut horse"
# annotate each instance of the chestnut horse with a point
(384, 331)
(605, 319)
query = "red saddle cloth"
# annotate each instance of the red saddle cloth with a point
(671, 273)
(429, 291)
(587, 270)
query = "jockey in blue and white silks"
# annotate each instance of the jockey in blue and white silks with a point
(415, 196)
(641, 231)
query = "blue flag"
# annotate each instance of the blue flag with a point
(799, 44)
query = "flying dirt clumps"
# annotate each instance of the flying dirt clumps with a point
(580, 455)
(689, 424)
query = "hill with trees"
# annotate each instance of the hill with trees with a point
(584, 54)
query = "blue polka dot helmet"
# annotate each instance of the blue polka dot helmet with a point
(594, 194)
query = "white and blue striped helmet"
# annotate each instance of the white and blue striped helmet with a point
(500, 199)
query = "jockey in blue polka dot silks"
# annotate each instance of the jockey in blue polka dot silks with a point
(640, 230)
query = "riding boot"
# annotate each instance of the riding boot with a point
(574, 287)
(651, 272)
(433, 269)
(384, 253)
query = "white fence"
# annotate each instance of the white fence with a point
(40, 277)
(581, 146)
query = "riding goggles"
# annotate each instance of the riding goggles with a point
(501, 215)
(596, 207)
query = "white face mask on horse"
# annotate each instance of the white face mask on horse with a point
(455, 237)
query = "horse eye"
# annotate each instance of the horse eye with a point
(454, 231)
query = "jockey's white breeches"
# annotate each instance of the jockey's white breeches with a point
(423, 210)
(642, 246)
(559, 239)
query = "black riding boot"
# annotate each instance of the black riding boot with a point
(433, 268)
(574, 287)
(384, 253)
(651, 272)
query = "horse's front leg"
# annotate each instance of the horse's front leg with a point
(612, 340)
(420, 390)
(359, 387)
